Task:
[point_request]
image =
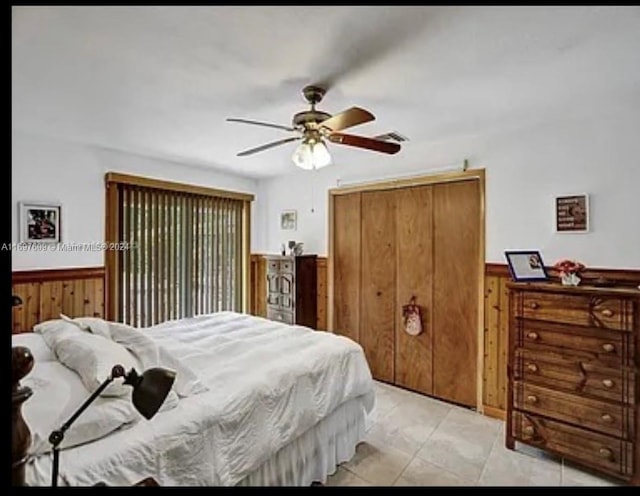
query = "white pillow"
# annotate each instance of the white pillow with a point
(38, 347)
(93, 325)
(57, 394)
(148, 353)
(93, 358)
(55, 330)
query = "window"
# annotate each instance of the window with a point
(177, 250)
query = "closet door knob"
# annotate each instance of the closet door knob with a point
(607, 418)
(608, 347)
(532, 367)
(532, 335)
(532, 399)
(607, 313)
(533, 305)
(606, 453)
(608, 383)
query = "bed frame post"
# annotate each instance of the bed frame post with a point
(21, 365)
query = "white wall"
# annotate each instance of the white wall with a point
(594, 151)
(49, 170)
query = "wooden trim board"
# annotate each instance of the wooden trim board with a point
(116, 177)
(408, 182)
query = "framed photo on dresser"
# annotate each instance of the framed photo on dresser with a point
(526, 266)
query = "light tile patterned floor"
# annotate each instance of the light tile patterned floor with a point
(419, 441)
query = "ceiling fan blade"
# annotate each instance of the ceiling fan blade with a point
(267, 146)
(363, 142)
(265, 124)
(349, 118)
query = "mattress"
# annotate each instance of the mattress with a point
(275, 391)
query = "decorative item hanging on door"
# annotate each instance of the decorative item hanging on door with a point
(412, 318)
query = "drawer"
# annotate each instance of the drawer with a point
(273, 265)
(280, 316)
(582, 310)
(609, 347)
(606, 453)
(606, 417)
(286, 266)
(575, 373)
(286, 302)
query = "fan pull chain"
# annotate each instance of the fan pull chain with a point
(314, 171)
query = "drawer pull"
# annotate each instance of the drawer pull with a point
(608, 347)
(532, 399)
(532, 335)
(533, 305)
(606, 453)
(529, 430)
(607, 418)
(608, 383)
(607, 313)
(532, 367)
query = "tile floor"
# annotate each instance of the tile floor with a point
(415, 440)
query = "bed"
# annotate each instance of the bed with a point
(284, 405)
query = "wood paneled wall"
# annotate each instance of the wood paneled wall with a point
(258, 290)
(497, 321)
(45, 294)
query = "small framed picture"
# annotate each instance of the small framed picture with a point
(289, 220)
(39, 222)
(572, 213)
(526, 266)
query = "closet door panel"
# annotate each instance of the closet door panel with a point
(346, 262)
(455, 290)
(377, 302)
(414, 277)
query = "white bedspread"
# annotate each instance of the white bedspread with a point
(268, 383)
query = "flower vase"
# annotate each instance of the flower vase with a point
(570, 279)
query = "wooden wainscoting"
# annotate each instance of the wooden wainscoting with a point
(45, 294)
(496, 327)
(258, 289)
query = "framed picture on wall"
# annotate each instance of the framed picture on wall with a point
(526, 266)
(288, 220)
(39, 222)
(572, 213)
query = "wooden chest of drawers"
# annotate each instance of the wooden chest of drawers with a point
(573, 374)
(292, 289)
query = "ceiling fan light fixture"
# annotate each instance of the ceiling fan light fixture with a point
(311, 155)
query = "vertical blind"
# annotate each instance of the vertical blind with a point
(183, 254)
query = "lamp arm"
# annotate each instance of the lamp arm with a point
(57, 436)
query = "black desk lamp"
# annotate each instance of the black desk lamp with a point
(16, 300)
(149, 392)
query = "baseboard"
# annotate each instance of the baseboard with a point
(491, 411)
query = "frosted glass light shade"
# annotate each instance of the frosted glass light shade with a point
(311, 156)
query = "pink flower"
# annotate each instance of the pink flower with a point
(567, 266)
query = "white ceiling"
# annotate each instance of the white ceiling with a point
(160, 81)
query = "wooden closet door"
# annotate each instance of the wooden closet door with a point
(346, 265)
(414, 277)
(457, 214)
(377, 299)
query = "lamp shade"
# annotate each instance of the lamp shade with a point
(311, 155)
(150, 389)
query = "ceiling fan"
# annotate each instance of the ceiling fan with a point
(314, 126)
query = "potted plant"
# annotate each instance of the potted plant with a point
(569, 271)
